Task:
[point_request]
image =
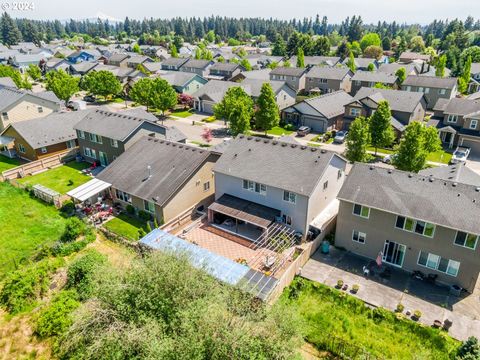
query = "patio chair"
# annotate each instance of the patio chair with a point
(269, 261)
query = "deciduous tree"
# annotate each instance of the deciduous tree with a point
(369, 40)
(401, 74)
(358, 140)
(62, 84)
(300, 58)
(102, 83)
(236, 107)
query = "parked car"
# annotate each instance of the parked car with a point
(389, 158)
(340, 137)
(89, 98)
(460, 155)
(303, 130)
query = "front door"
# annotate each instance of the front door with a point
(393, 253)
(103, 158)
(447, 137)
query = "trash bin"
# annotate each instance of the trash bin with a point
(325, 247)
(455, 290)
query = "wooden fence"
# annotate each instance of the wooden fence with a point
(39, 165)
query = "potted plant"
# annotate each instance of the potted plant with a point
(400, 308)
(355, 288)
(339, 284)
(417, 314)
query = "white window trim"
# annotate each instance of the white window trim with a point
(452, 118)
(81, 134)
(359, 235)
(473, 121)
(289, 198)
(43, 150)
(21, 149)
(147, 208)
(360, 215)
(463, 246)
(438, 262)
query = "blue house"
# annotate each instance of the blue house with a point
(79, 56)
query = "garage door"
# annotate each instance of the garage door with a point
(474, 148)
(316, 124)
(208, 107)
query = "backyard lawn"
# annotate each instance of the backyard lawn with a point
(277, 130)
(181, 113)
(27, 223)
(126, 226)
(440, 156)
(342, 324)
(61, 179)
(7, 163)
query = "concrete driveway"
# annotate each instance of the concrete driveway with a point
(435, 302)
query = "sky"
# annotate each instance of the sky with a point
(408, 11)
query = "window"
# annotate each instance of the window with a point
(90, 153)
(96, 138)
(339, 174)
(359, 237)
(473, 124)
(81, 134)
(21, 148)
(287, 219)
(452, 118)
(114, 143)
(148, 206)
(325, 185)
(323, 81)
(466, 240)
(427, 90)
(70, 144)
(290, 197)
(420, 89)
(358, 82)
(438, 263)
(417, 226)
(99, 139)
(255, 187)
(442, 91)
(43, 150)
(362, 211)
(40, 109)
(355, 112)
(123, 196)
(409, 88)
(5, 116)
(206, 186)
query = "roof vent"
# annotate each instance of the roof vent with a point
(303, 147)
(323, 151)
(430, 178)
(257, 139)
(293, 146)
(410, 175)
(372, 167)
(241, 136)
(477, 189)
(250, 149)
(284, 144)
(313, 149)
(274, 142)
(249, 137)
(454, 184)
(390, 171)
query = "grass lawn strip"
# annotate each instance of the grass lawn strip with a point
(126, 226)
(6, 163)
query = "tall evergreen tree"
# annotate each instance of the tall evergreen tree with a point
(267, 115)
(300, 58)
(351, 62)
(10, 33)
(440, 66)
(381, 130)
(279, 46)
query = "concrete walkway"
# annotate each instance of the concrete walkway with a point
(433, 301)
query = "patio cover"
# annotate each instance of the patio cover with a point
(89, 189)
(247, 211)
(6, 140)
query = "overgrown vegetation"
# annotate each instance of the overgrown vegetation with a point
(80, 273)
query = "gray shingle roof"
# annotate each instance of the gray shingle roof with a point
(288, 71)
(404, 101)
(172, 164)
(331, 104)
(442, 202)
(177, 62)
(224, 66)
(263, 74)
(197, 64)
(84, 66)
(178, 78)
(254, 86)
(393, 67)
(414, 56)
(376, 77)
(460, 106)
(118, 57)
(9, 95)
(51, 129)
(317, 60)
(326, 72)
(458, 172)
(475, 69)
(282, 165)
(215, 89)
(430, 81)
(7, 82)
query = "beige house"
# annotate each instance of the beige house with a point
(18, 105)
(163, 178)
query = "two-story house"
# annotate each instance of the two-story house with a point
(18, 105)
(361, 64)
(224, 71)
(294, 77)
(199, 67)
(433, 87)
(320, 113)
(134, 61)
(370, 79)
(325, 79)
(284, 95)
(425, 222)
(316, 60)
(260, 182)
(103, 135)
(405, 106)
(408, 56)
(183, 82)
(118, 59)
(163, 178)
(474, 84)
(173, 64)
(459, 123)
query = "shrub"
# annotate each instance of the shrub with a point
(469, 350)
(54, 319)
(417, 314)
(80, 273)
(68, 208)
(65, 249)
(74, 228)
(144, 215)
(24, 286)
(355, 288)
(400, 308)
(339, 283)
(209, 119)
(130, 210)
(141, 233)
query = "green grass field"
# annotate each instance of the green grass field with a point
(181, 113)
(277, 130)
(126, 226)
(6, 163)
(27, 223)
(337, 322)
(440, 156)
(61, 179)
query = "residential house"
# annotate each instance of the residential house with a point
(134, 61)
(199, 67)
(405, 106)
(263, 74)
(370, 79)
(474, 84)
(257, 185)
(433, 87)
(284, 95)
(408, 57)
(22, 62)
(46, 136)
(326, 79)
(321, 113)
(224, 71)
(294, 77)
(19, 105)
(163, 178)
(392, 68)
(80, 56)
(153, 67)
(416, 222)
(459, 123)
(361, 64)
(184, 82)
(104, 135)
(83, 67)
(118, 59)
(316, 61)
(57, 64)
(173, 64)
